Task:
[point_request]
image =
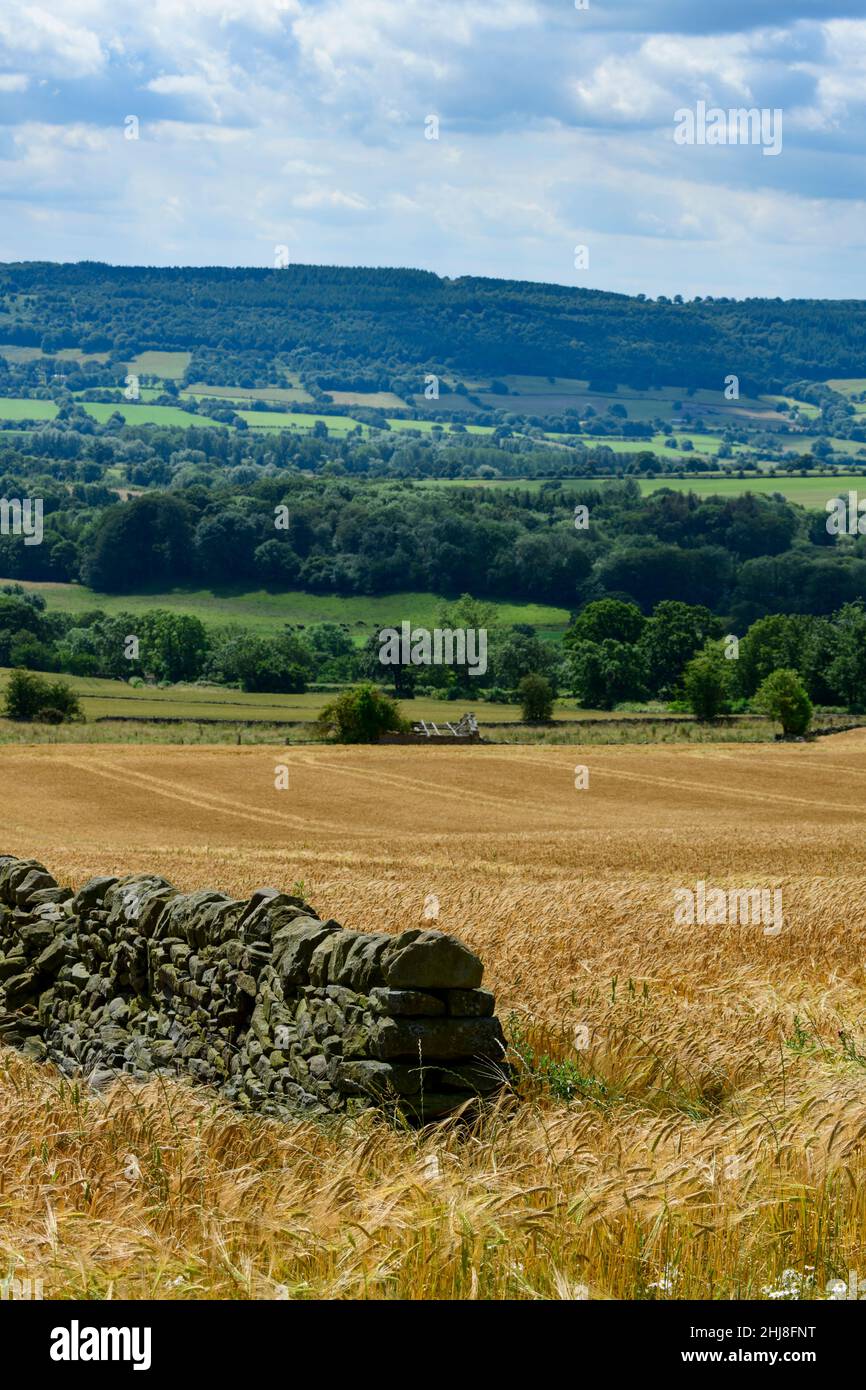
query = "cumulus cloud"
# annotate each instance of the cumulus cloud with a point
(305, 122)
(56, 46)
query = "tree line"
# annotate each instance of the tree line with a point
(612, 653)
(340, 321)
(741, 556)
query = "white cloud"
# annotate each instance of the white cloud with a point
(330, 198)
(302, 121)
(60, 47)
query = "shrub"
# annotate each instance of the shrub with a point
(706, 686)
(535, 694)
(360, 716)
(51, 716)
(29, 697)
(782, 696)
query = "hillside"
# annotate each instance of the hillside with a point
(359, 321)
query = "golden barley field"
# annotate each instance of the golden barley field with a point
(691, 1110)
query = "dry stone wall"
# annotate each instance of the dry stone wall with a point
(280, 1011)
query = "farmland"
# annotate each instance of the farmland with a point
(145, 412)
(264, 611)
(811, 492)
(164, 364)
(702, 1138)
(12, 408)
(117, 699)
(133, 712)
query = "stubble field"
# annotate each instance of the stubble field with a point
(691, 1112)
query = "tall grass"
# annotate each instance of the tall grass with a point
(690, 1110)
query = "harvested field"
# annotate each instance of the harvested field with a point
(692, 1111)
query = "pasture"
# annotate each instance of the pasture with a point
(115, 698)
(162, 364)
(264, 610)
(274, 395)
(690, 1121)
(20, 408)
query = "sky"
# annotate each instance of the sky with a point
(300, 129)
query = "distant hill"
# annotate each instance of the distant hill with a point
(348, 319)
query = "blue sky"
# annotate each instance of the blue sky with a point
(301, 123)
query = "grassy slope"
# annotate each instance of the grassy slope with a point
(263, 611)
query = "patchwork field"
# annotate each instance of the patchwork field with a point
(691, 1118)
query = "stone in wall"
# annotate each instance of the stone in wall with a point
(280, 1011)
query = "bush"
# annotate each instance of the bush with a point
(51, 716)
(535, 694)
(706, 686)
(29, 697)
(782, 696)
(27, 651)
(360, 716)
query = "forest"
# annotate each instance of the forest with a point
(351, 322)
(207, 520)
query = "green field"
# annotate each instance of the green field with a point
(806, 442)
(707, 445)
(848, 385)
(164, 364)
(148, 414)
(536, 395)
(13, 353)
(264, 612)
(101, 699)
(806, 409)
(274, 395)
(425, 426)
(339, 424)
(809, 492)
(284, 420)
(114, 698)
(374, 400)
(812, 493)
(702, 443)
(13, 408)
